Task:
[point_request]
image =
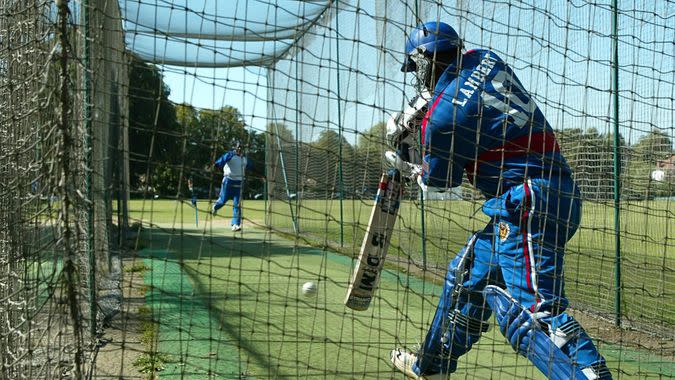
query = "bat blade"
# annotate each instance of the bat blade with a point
(369, 266)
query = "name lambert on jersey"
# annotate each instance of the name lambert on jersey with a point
(475, 79)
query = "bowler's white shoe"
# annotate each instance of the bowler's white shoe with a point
(404, 360)
(236, 227)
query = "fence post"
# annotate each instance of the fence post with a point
(88, 154)
(617, 165)
(340, 128)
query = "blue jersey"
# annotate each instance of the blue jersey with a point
(482, 121)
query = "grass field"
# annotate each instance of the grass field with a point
(229, 305)
(647, 247)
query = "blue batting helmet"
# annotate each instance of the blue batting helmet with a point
(429, 38)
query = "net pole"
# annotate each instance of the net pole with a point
(617, 165)
(422, 219)
(340, 128)
(296, 144)
(64, 167)
(268, 220)
(86, 60)
(283, 172)
(421, 149)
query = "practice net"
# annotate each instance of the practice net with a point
(113, 262)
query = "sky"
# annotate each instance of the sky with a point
(564, 64)
(244, 88)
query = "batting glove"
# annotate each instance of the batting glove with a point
(402, 127)
(407, 169)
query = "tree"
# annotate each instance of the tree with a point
(152, 128)
(195, 153)
(279, 134)
(370, 150)
(653, 146)
(281, 157)
(222, 128)
(590, 154)
(638, 182)
(256, 153)
(329, 155)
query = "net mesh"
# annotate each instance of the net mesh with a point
(563, 64)
(61, 171)
(113, 115)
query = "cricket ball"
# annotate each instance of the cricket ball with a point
(309, 289)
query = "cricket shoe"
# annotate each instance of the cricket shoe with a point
(213, 209)
(236, 227)
(404, 360)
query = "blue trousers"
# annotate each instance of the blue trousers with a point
(230, 189)
(522, 250)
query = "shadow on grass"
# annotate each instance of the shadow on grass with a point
(189, 292)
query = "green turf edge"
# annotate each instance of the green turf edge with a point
(186, 326)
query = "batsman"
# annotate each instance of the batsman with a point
(472, 115)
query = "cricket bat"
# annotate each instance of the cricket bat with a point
(376, 241)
